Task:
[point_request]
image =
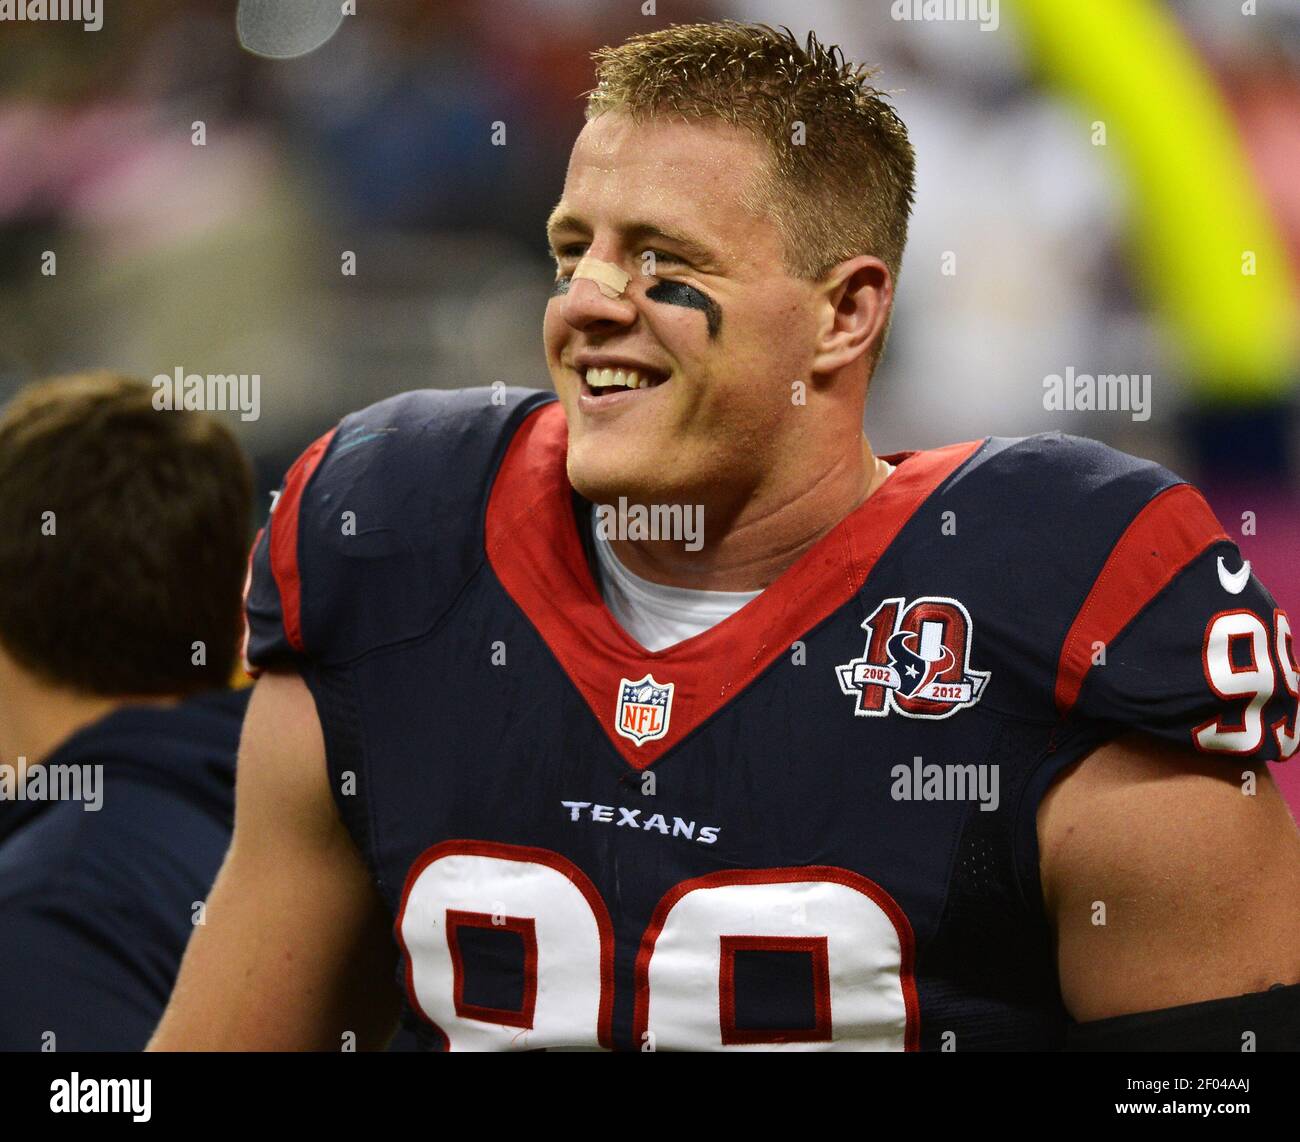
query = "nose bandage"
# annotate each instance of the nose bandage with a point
(611, 280)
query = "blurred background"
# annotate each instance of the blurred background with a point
(1112, 188)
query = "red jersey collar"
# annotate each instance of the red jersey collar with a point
(535, 550)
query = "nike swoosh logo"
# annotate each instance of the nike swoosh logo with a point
(1234, 582)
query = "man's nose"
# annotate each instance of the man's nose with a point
(586, 303)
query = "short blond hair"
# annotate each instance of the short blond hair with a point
(845, 189)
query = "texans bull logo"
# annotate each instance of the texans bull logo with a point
(916, 661)
(915, 672)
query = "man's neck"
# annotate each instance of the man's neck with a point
(761, 540)
(36, 717)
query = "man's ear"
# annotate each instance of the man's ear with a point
(856, 299)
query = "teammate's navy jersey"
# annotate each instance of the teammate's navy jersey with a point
(811, 826)
(98, 891)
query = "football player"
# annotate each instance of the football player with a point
(668, 715)
(123, 541)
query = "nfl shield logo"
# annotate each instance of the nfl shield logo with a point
(644, 708)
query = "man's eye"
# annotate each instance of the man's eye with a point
(574, 250)
(664, 256)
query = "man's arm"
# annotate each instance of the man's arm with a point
(1200, 883)
(295, 951)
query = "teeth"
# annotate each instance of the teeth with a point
(627, 378)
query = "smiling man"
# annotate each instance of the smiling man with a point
(959, 749)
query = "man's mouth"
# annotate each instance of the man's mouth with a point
(606, 382)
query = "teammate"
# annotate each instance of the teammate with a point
(123, 540)
(955, 749)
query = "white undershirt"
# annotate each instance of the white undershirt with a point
(657, 616)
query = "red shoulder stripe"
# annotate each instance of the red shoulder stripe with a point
(1166, 535)
(249, 669)
(284, 538)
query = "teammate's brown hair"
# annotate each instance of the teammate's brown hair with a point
(144, 552)
(845, 190)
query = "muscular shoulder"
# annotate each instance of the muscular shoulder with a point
(1055, 543)
(404, 462)
(379, 523)
(1067, 492)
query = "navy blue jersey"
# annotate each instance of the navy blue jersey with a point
(811, 826)
(96, 905)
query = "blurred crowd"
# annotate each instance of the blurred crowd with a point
(228, 257)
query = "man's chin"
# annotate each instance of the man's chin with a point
(603, 475)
